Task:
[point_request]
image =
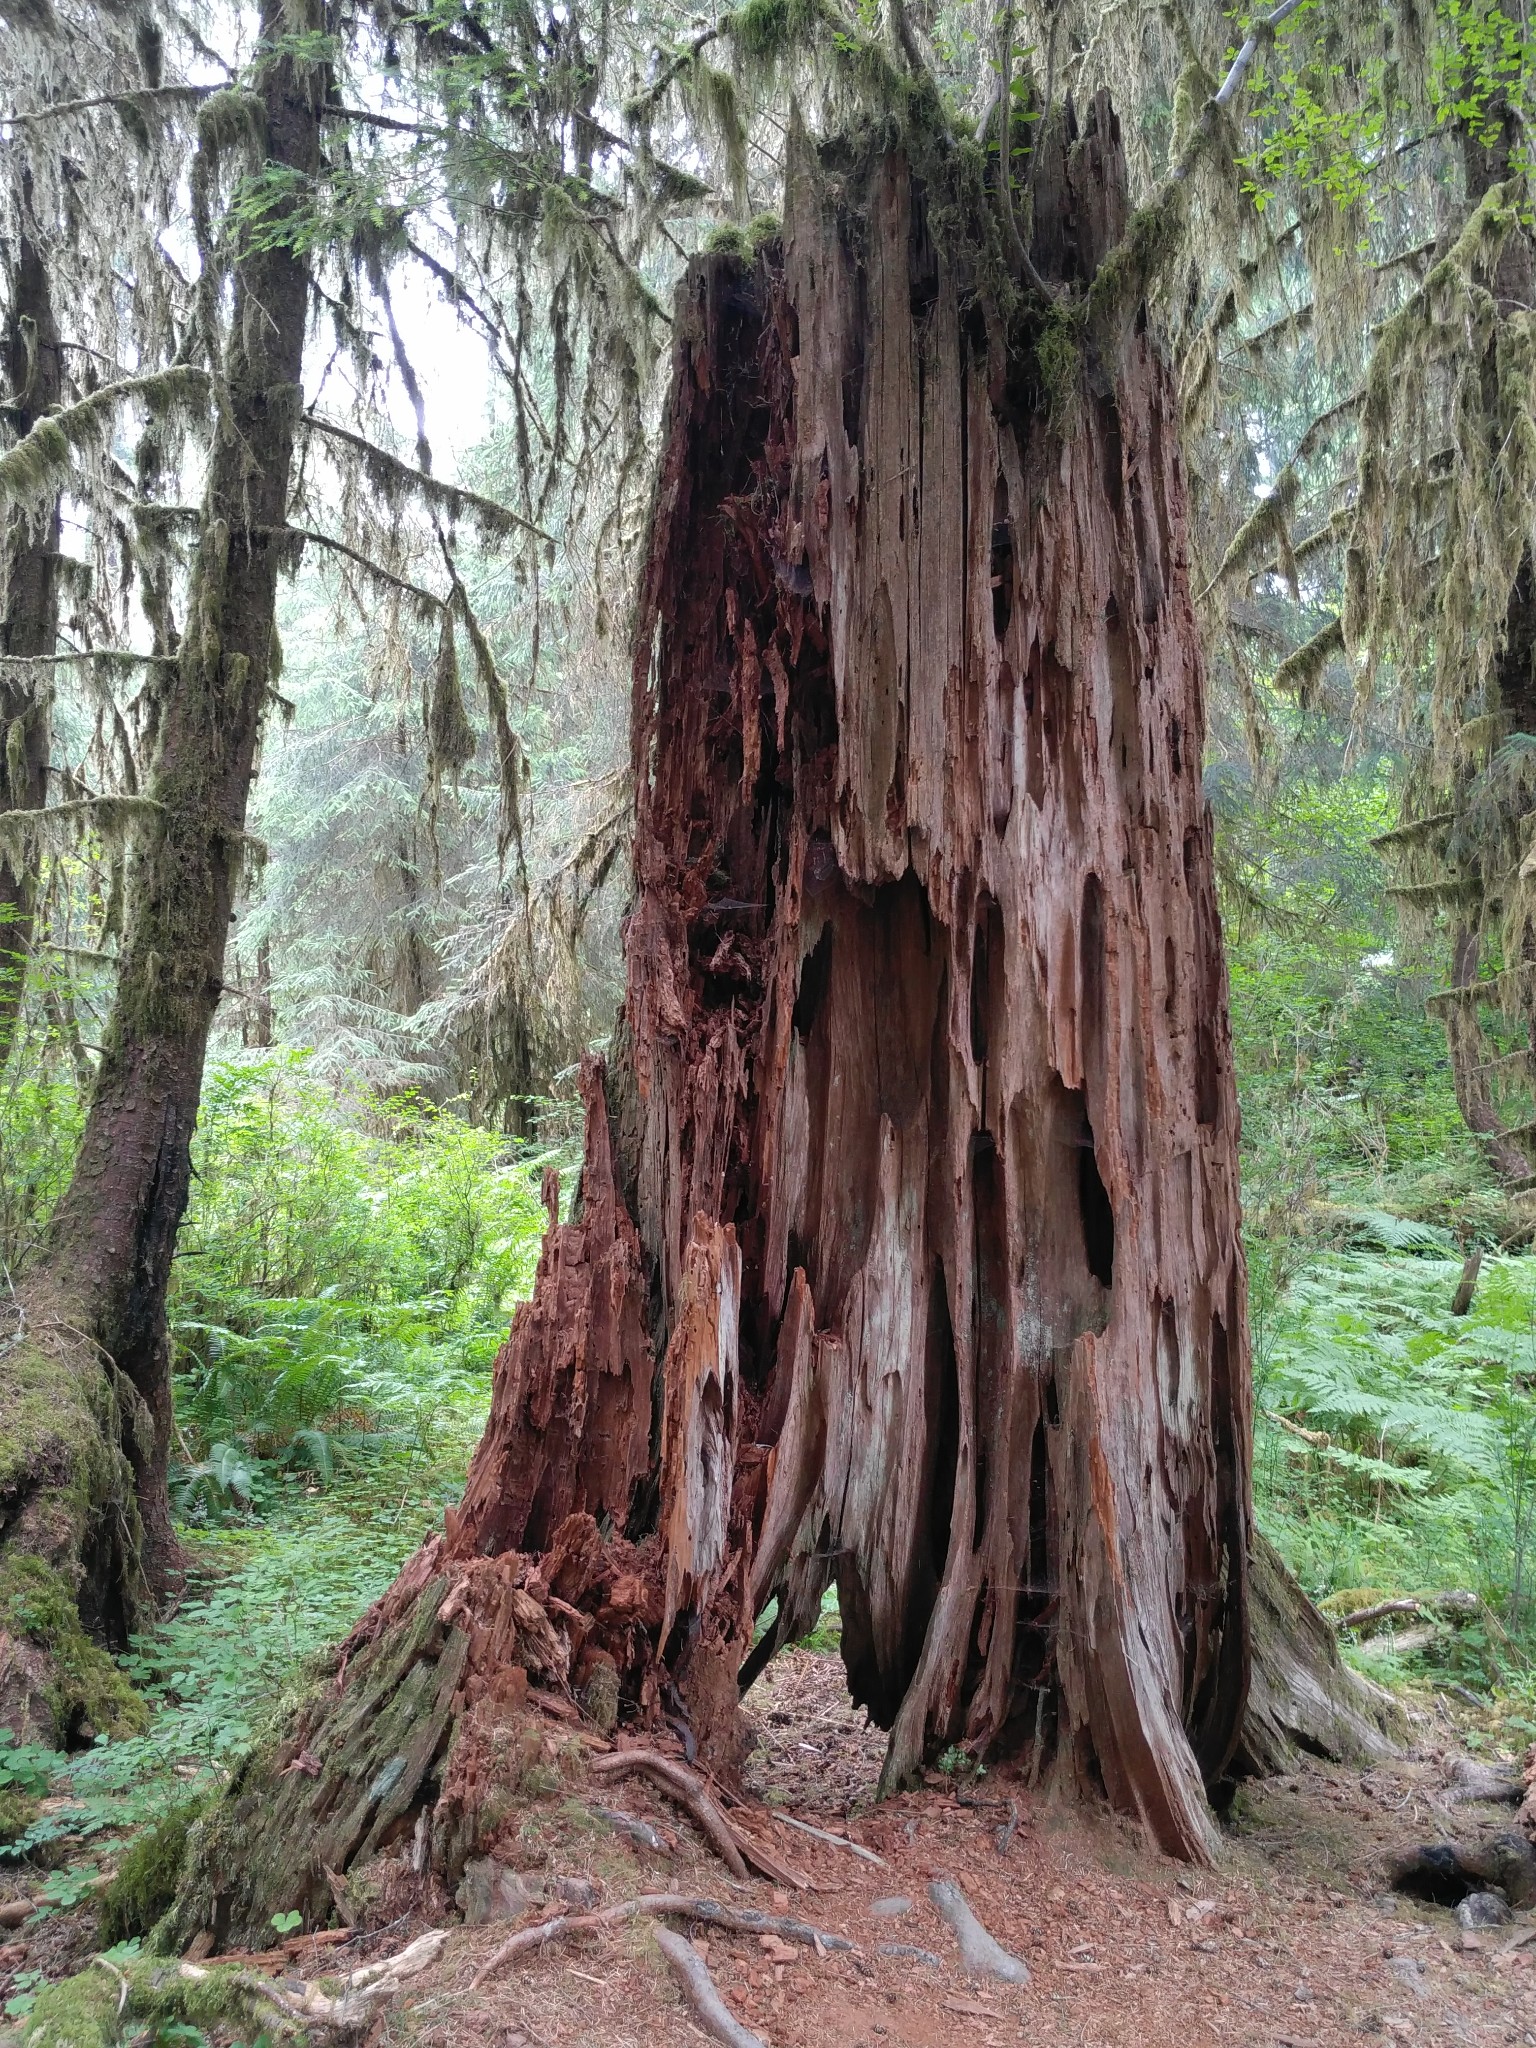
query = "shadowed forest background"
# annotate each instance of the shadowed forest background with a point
(432, 877)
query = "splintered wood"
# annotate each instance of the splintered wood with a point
(926, 1005)
(906, 1249)
(921, 1129)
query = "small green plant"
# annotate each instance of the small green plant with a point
(63, 1890)
(958, 1763)
(286, 1923)
(25, 1767)
(27, 1984)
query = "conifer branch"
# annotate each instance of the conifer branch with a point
(188, 95)
(400, 477)
(415, 591)
(40, 461)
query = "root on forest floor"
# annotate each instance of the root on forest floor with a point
(691, 1971)
(654, 1905)
(736, 1845)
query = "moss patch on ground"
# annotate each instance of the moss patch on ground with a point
(17, 1813)
(99, 2006)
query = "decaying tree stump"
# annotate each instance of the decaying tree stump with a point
(906, 1254)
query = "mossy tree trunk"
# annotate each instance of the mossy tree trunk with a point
(906, 1254)
(34, 385)
(1472, 838)
(97, 1305)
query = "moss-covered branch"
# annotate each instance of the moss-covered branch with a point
(396, 481)
(39, 464)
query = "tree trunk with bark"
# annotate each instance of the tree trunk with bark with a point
(97, 1305)
(29, 625)
(906, 1252)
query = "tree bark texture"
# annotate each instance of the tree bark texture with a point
(906, 1250)
(932, 1125)
(34, 383)
(115, 1230)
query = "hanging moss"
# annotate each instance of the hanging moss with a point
(1153, 235)
(1300, 673)
(39, 464)
(1264, 538)
(143, 1887)
(769, 29)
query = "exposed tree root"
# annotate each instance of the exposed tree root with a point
(680, 1784)
(739, 1919)
(981, 1955)
(711, 2010)
(786, 1820)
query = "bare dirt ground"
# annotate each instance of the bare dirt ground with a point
(1293, 1941)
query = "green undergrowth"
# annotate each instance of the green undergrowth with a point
(1395, 1456)
(266, 1600)
(347, 1272)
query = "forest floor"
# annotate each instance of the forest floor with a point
(1292, 1939)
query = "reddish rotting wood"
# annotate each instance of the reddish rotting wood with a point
(905, 1255)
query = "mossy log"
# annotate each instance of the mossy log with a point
(1303, 1698)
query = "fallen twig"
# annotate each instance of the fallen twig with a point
(825, 1835)
(1009, 1829)
(739, 1919)
(686, 1789)
(690, 1970)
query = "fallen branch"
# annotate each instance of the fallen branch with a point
(689, 1968)
(686, 1789)
(15, 1912)
(825, 1835)
(1456, 1600)
(1379, 1612)
(737, 1919)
